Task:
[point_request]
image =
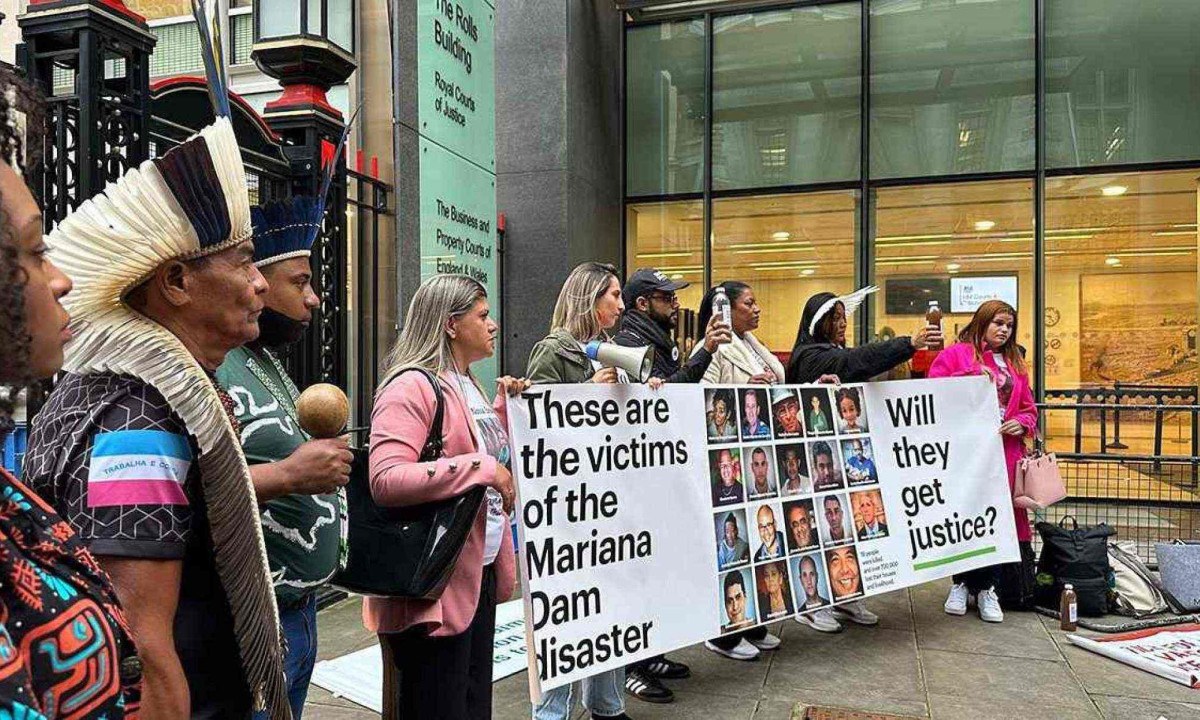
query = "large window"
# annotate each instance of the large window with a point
(952, 87)
(1121, 291)
(786, 97)
(958, 244)
(1122, 81)
(664, 106)
(787, 248)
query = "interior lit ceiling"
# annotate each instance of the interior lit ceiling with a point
(1095, 223)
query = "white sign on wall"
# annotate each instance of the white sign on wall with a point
(968, 293)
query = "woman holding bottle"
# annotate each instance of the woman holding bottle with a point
(988, 346)
(743, 360)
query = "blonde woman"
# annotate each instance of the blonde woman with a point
(441, 650)
(588, 308)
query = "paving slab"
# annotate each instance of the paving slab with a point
(957, 707)
(885, 660)
(1121, 708)
(997, 680)
(1020, 635)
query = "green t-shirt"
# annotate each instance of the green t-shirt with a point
(303, 533)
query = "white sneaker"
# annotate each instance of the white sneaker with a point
(767, 642)
(856, 612)
(956, 601)
(742, 651)
(821, 620)
(989, 606)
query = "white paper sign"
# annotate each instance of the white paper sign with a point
(653, 520)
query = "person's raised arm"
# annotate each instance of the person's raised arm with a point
(149, 593)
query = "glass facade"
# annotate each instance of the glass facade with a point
(958, 149)
(786, 97)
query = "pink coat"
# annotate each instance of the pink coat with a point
(399, 425)
(959, 360)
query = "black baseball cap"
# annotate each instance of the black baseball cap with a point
(648, 280)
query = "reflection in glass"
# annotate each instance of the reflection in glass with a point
(786, 97)
(1121, 82)
(952, 87)
(787, 248)
(664, 96)
(958, 244)
(1121, 280)
(669, 236)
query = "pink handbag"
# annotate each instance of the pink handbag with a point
(1038, 483)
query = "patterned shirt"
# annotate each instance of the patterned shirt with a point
(303, 533)
(65, 649)
(118, 464)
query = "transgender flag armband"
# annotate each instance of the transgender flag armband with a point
(138, 467)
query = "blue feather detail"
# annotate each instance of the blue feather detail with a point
(286, 227)
(208, 24)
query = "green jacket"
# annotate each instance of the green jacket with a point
(557, 358)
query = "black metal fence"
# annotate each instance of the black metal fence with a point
(1127, 477)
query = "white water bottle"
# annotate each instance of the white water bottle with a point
(722, 308)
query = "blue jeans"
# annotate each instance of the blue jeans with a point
(299, 624)
(603, 695)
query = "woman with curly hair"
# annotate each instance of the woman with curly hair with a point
(51, 589)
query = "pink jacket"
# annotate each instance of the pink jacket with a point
(959, 360)
(399, 425)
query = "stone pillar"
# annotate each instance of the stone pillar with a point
(558, 154)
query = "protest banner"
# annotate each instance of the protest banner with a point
(652, 520)
(1172, 653)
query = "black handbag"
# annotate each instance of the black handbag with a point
(1077, 556)
(405, 552)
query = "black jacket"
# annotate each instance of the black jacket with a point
(638, 330)
(813, 357)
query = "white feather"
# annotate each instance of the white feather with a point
(850, 302)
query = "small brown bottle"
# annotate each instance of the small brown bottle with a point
(1068, 609)
(933, 318)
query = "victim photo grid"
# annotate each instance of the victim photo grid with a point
(795, 491)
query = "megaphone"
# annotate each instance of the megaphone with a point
(636, 361)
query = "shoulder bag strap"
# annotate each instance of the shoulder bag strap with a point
(433, 442)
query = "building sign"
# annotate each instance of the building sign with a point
(456, 104)
(458, 233)
(968, 293)
(456, 77)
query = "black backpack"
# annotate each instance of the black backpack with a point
(1078, 557)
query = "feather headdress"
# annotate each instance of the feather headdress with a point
(285, 229)
(850, 302)
(191, 202)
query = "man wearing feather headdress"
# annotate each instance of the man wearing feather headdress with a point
(137, 446)
(297, 479)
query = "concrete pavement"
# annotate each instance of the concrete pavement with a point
(918, 662)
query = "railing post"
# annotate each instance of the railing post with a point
(91, 58)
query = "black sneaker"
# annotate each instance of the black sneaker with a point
(644, 686)
(666, 669)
